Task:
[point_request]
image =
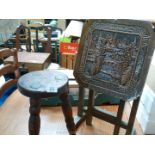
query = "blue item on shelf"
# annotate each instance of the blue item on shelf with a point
(6, 94)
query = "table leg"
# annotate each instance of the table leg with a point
(46, 47)
(89, 116)
(81, 101)
(132, 116)
(34, 120)
(119, 117)
(67, 111)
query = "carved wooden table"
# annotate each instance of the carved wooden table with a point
(43, 84)
(113, 58)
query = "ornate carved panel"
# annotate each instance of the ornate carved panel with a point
(114, 56)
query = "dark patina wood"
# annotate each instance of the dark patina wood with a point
(67, 111)
(132, 116)
(119, 117)
(46, 42)
(114, 58)
(23, 37)
(9, 68)
(90, 107)
(81, 100)
(34, 120)
(43, 84)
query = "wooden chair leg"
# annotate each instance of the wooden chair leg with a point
(67, 111)
(132, 116)
(56, 53)
(119, 117)
(81, 101)
(34, 120)
(90, 107)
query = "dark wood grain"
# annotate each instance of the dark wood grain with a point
(34, 120)
(119, 117)
(8, 84)
(81, 100)
(132, 116)
(42, 84)
(67, 111)
(46, 42)
(9, 68)
(24, 38)
(90, 107)
(113, 58)
(6, 52)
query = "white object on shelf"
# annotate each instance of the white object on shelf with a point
(146, 111)
(74, 29)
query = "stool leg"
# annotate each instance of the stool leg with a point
(132, 116)
(34, 120)
(67, 111)
(90, 107)
(119, 117)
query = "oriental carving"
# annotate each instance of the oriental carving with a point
(113, 56)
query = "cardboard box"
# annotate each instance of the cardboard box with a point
(69, 47)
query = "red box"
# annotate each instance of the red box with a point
(69, 47)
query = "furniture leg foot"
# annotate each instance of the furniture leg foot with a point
(119, 117)
(67, 111)
(132, 116)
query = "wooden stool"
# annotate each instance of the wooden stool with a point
(43, 84)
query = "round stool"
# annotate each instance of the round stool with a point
(43, 84)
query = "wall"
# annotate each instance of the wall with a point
(146, 110)
(8, 27)
(62, 24)
(151, 75)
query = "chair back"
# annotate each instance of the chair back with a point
(114, 56)
(44, 30)
(55, 28)
(23, 37)
(9, 68)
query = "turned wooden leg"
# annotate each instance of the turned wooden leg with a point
(119, 117)
(132, 116)
(67, 111)
(90, 108)
(34, 120)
